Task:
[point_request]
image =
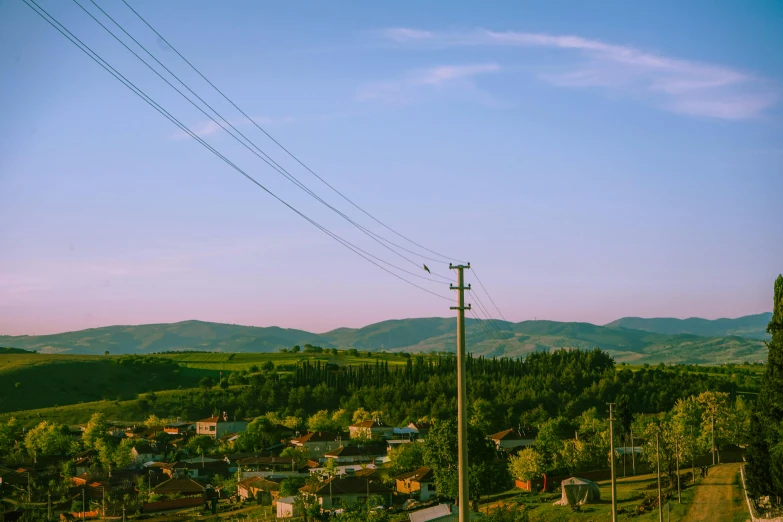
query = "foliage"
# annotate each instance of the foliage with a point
(201, 444)
(406, 457)
(47, 439)
(259, 434)
(300, 455)
(289, 487)
(765, 452)
(440, 453)
(526, 465)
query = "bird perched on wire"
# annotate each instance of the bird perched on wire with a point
(427, 269)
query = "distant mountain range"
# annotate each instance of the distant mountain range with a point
(630, 339)
(750, 326)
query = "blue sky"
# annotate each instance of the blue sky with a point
(591, 160)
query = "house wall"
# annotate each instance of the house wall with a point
(317, 449)
(287, 510)
(508, 444)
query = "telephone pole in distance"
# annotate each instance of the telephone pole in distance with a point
(462, 421)
(611, 457)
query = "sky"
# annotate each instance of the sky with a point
(591, 160)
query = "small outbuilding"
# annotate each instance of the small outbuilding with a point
(577, 491)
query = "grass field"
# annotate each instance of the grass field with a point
(243, 361)
(630, 493)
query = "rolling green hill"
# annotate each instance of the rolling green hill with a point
(750, 326)
(411, 335)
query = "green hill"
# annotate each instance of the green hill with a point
(750, 326)
(411, 335)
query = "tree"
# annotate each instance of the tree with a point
(526, 465)
(406, 457)
(300, 455)
(201, 444)
(47, 439)
(96, 430)
(268, 366)
(764, 454)
(482, 413)
(289, 487)
(206, 383)
(361, 415)
(259, 434)
(153, 421)
(484, 473)
(7, 435)
(341, 419)
(320, 421)
(296, 349)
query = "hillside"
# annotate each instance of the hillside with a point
(411, 335)
(749, 326)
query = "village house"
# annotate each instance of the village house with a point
(422, 428)
(420, 483)
(196, 469)
(220, 425)
(261, 490)
(317, 443)
(371, 429)
(355, 454)
(288, 508)
(339, 492)
(146, 453)
(177, 428)
(267, 466)
(513, 438)
(439, 513)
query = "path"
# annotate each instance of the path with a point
(719, 497)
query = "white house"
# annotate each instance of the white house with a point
(371, 429)
(287, 508)
(220, 425)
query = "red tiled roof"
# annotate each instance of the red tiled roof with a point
(510, 434)
(423, 474)
(316, 436)
(179, 485)
(347, 486)
(356, 451)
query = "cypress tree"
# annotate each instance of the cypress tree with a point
(764, 470)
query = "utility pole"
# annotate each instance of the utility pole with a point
(712, 418)
(677, 451)
(82, 503)
(611, 458)
(123, 513)
(693, 460)
(633, 455)
(658, 460)
(462, 421)
(49, 505)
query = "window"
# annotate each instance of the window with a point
(211, 428)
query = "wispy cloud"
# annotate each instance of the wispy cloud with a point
(455, 80)
(677, 85)
(207, 128)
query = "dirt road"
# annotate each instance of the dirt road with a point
(719, 497)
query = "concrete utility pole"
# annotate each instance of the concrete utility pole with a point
(49, 505)
(712, 419)
(658, 460)
(633, 455)
(611, 459)
(462, 421)
(677, 451)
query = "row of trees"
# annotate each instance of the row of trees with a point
(692, 427)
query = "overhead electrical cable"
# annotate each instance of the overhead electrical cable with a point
(122, 79)
(260, 154)
(492, 300)
(292, 155)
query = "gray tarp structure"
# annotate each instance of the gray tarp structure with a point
(578, 491)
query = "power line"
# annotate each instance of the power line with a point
(122, 79)
(483, 326)
(486, 315)
(493, 301)
(447, 258)
(263, 156)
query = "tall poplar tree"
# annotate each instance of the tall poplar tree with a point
(764, 470)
